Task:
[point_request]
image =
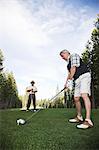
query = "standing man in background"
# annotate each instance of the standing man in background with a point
(31, 91)
(79, 72)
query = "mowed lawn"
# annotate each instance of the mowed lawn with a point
(49, 129)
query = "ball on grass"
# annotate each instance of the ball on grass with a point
(20, 121)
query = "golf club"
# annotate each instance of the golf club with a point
(22, 121)
(57, 94)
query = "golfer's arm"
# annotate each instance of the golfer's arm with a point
(72, 72)
(68, 77)
(35, 91)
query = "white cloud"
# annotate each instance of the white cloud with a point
(33, 32)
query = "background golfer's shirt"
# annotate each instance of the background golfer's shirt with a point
(32, 88)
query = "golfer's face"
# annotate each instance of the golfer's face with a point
(64, 56)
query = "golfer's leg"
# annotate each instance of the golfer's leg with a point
(29, 102)
(85, 91)
(87, 104)
(77, 97)
(78, 117)
(87, 123)
(34, 101)
(78, 105)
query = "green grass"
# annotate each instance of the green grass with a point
(48, 130)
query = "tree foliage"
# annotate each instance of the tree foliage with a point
(1, 60)
(91, 57)
(8, 89)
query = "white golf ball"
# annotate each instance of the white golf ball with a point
(20, 121)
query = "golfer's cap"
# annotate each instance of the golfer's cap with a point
(32, 81)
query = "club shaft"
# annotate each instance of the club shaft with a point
(57, 94)
(32, 115)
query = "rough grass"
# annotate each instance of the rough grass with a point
(48, 130)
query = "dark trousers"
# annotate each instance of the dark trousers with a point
(33, 98)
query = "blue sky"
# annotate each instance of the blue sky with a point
(32, 34)
(90, 3)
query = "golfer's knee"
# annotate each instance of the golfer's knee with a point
(76, 99)
(84, 96)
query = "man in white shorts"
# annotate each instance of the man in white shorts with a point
(79, 72)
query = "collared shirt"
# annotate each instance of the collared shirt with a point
(32, 89)
(75, 60)
(81, 67)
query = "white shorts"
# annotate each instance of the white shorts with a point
(82, 84)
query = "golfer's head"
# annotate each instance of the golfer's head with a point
(32, 82)
(65, 54)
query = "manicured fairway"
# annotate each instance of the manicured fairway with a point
(48, 130)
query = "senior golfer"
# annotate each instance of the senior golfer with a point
(79, 72)
(31, 90)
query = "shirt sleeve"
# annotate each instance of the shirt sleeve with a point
(29, 88)
(75, 60)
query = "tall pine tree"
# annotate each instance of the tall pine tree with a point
(91, 57)
(8, 89)
(95, 59)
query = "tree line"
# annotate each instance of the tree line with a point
(8, 88)
(91, 57)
